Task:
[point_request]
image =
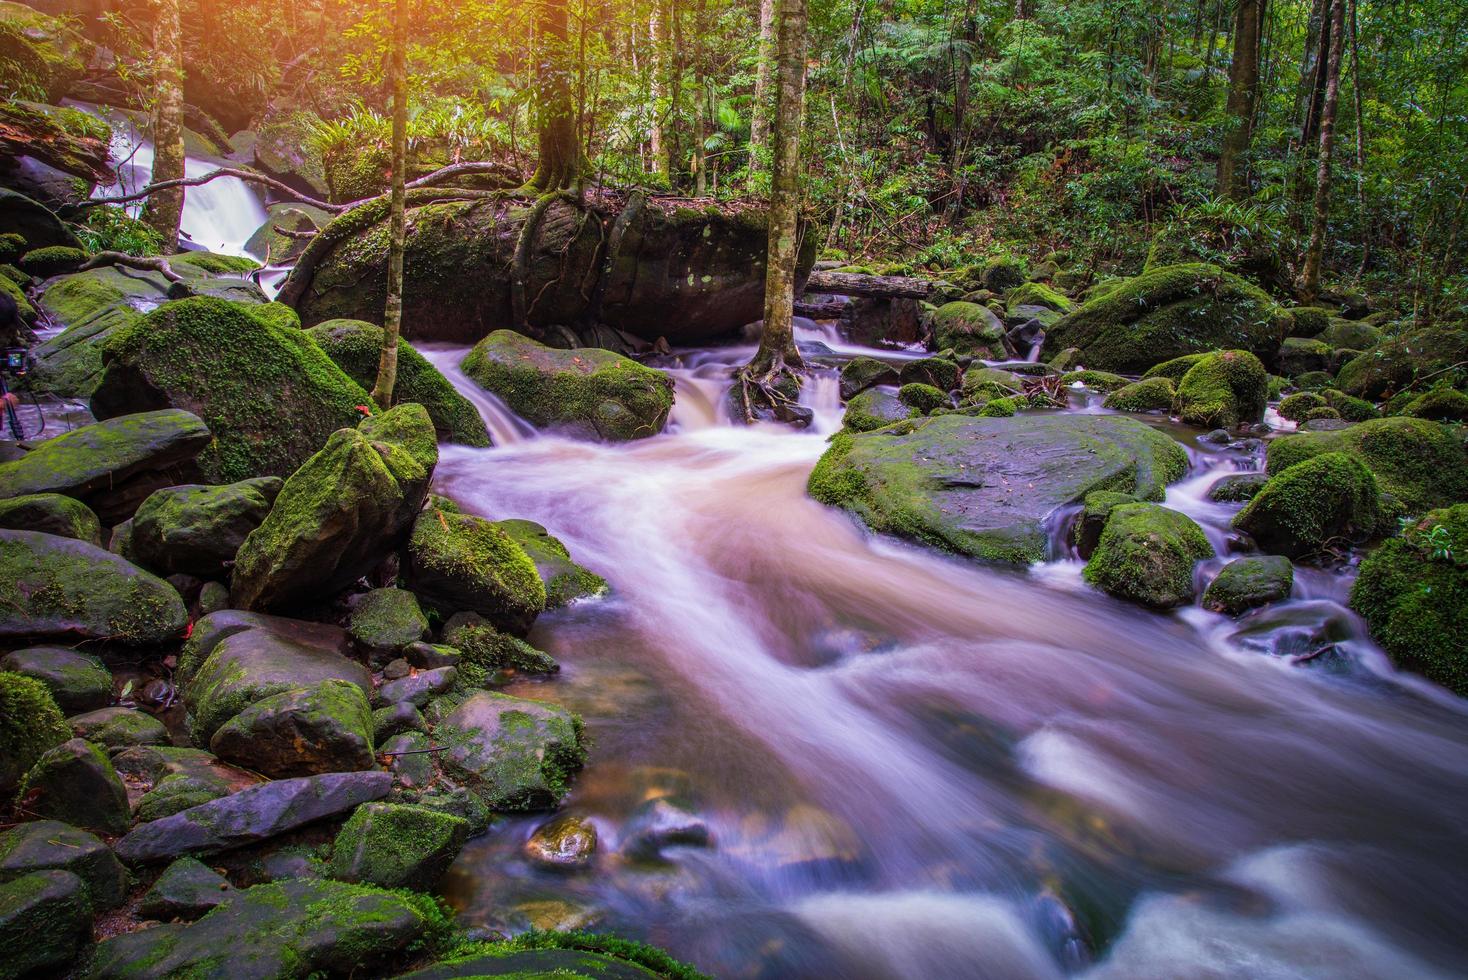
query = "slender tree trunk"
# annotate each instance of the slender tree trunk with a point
(1360, 144)
(777, 353)
(1310, 278)
(164, 209)
(657, 37)
(1243, 88)
(562, 163)
(392, 314)
(759, 120)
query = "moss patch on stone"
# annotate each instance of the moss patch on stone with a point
(1306, 506)
(1223, 390)
(1151, 395)
(1146, 555)
(30, 725)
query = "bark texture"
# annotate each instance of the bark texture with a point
(164, 208)
(1243, 88)
(392, 314)
(1315, 252)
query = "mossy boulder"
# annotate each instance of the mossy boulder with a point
(1245, 583)
(566, 956)
(1174, 368)
(482, 646)
(119, 727)
(396, 846)
(355, 345)
(1224, 390)
(1237, 487)
(45, 920)
(939, 372)
(1439, 404)
(43, 845)
(1301, 355)
(326, 727)
(61, 588)
(30, 725)
(111, 466)
(1168, 312)
(1349, 335)
(458, 562)
(196, 529)
(922, 398)
(384, 621)
(1001, 408)
(31, 220)
(270, 396)
(293, 928)
(1413, 594)
(872, 409)
(77, 681)
(515, 754)
(1295, 407)
(282, 249)
(51, 513)
(1396, 363)
(565, 580)
(55, 260)
(1091, 521)
(1306, 506)
(1102, 381)
(969, 329)
(1310, 321)
(861, 373)
(185, 890)
(986, 487)
(76, 784)
(1422, 464)
(1146, 555)
(585, 392)
(1001, 273)
(1152, 395)
(1038, 294)
(982, 383)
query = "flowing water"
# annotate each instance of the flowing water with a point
(913, 766)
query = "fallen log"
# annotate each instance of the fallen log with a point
(829, 310)
(885, 287)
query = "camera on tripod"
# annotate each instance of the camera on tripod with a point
(14, 361)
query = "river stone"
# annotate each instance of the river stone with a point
(1311, 503)
(213, 629)
(173, 779)
(1395, 363)
(969, 329)
(988, 487)
(384, 621)
(45, 920)
(563, 844)
(254, 814)
(484, 646)
(395, 719)
(40, 845)
(196, 529)
(77, 681)
(587, 392)
(873, 409)
(459, 562)
(662, 823)
(185, 890)
(861, 373)
(1092, 519)
(426, 656)
(323, 728)
(1224, 390)
(516, 754)
(419, 689)
(51, 513)
(248, 667)
(281, 929)
(517, 963)
(119, 727)
(1237, 487)
(113, 465)
(939, 372)
(1146, 555)
(76, 784)
(410, 760)
(565, 581)
(395, 846)
(1248, 582)
(30, 726)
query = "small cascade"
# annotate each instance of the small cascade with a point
(505, 427)
(822, 395)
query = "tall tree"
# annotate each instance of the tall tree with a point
(1314, 253)
(759, 119)
(562, 162)
(1243, 93)
(164, 208)
(657, 71)
(392, 314)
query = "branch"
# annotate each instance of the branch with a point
(246, 175)
(179, 289)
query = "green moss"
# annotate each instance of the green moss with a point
(1039, 294)
(1175, 368)
(1002, 272)
(1441, 404)
(12, 246)
(968, 328)
(476, 552)
(564, 579)
(1351, 409)
(1295, 406)
(1000, 408)
(51, 513)
(940, 372)
(922, 398)
(1146, 555)
(1322, 412)
(1421, 463)
(1101, 381)
(396, 846)
(641, 954)
(1404, 361)
(22, 303)
(1309, 321)
(515, 753)
(1245, 583)
(1151, 395)
(1223, 390)
(486, 647)
(1309, 505)
(407, 427)
(386, 619)
(873, 409)
(53, 260)
(30, 725)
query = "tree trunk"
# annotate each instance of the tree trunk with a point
(562, 163)
(1310, 278)
(392, 312)
(657, 37)
(1243, 88)
(164, 209)
(759, 120)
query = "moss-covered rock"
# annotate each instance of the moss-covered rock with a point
(185, 890)
(42, 845)
(969, 329)
(1312, 503)
(29, 219)
(1152, 395)
(1146, 555)
(1167, 312)
(76, 784)
(1294, 407)
(1349, 334)
(1237, 487)
(1309, 321)
(195, 529)
(395, 846)
(62, 588)
(1413, 594)
(922, 398)
(43, 263)
(1001, 408)
(384, 621)
(873, 409)
(282, 249)
(51, 513)
(1351, 409)
(77, 681)
(459, 562)
(30, 725)
(1002, 272)
(270, 396)
(1245, 583)
(1301, 355)
(45, 920)
(1396, 363)
(1091, 521)
(1322, 413)
(1422, 464)
(1439, 404)
(585, 392)
(482, 646)
(939, 372)
(515, 754)
(1223, 390)
(861, 373)
(355, 345)
(326, 727)
(1102, 381)
(953, 481)
(982, 384)
(565, 580)
(1174, 368)
(1038, 294)
(119, 727)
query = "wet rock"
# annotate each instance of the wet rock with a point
(195, 529)
(1146, 555)
(969, 329)
(563, 844)
(45, 920)
(1394, 363)
(662, 823)
(861, 373)
(395, 719)
(77, 681)
(419, 689)
(536, 963)
(186, 890)
(279, 248)
(873, 409)
(213, 629)
(113, 465)
(172, 779)
(51, 513)
(1223, 390)
(76, 784)
(987, 487)
(410, 760)
(384, 621)
(323, 728)
(396, 670)
(426, 656)
(515, 754)
(1301, 355)
(460, 562)
(30, 725)
(213, 596)
(119, 727)
(394, 846)
(41, 845)
(1245, 583)
(940, 372)
(565, 581)
(1237, 487)
(1092, 519)
(253, 814)
(1152, 395)
(281, 929)
(1307, 505)
(483, 646)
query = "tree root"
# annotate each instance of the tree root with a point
(178, 290)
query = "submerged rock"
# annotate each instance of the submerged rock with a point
(195, 529)
(1146, 555)
(45, 920)
(77, 681)
(662, 823)
(563, 844)
(986, 487)
(1248, 582)
(396, 846)
(515, 754)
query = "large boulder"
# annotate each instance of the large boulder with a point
(1393, 364)
(185, 890)
(33, 221)
(459, 562)
(1307, 505)
(30, 725)
(355, 347)
(51, 513)
(384, 621)
(515, 754)
(873, 409)
(269, 395)
(76, 784)
(1146, 555)
(1167, 312)
(687, 271)
(195, 529)
(323, 728)
(346, 509)
(987, 487)
(585, 392)
(45, 919)
(211, 630)
(395, 846)
(111, 466)
(564, 579)
(969, 329)
(1224, 390)
(1413, 594)
(43, 845)
(61, 588)
(78, 681)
